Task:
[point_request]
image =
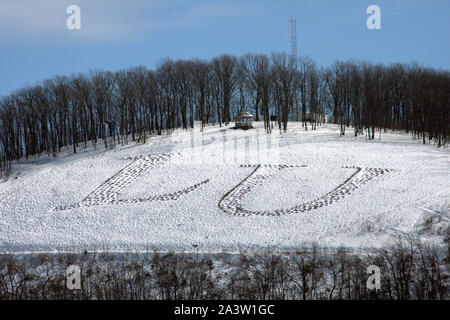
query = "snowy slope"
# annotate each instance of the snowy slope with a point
(228, 190)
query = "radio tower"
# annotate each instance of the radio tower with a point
(293, 35)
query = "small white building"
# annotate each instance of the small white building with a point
(243, 120)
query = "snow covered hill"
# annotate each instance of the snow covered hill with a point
(227, 189)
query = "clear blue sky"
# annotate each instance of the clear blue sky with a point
(35, 43)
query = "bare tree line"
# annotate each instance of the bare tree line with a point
(409, 270)
(113, 107)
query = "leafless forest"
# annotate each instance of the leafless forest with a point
(112, 107)
(409, 270)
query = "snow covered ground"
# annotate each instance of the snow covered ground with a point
(227, 189)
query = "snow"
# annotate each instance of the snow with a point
(225, 189)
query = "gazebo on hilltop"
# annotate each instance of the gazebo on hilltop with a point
(243, 120)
